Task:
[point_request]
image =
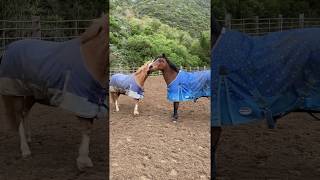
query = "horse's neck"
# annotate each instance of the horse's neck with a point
(141, 78)
(95, 53)
(169, 75)
(215, 31)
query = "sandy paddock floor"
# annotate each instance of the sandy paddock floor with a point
(150, 146)
(54, 146)
(291, 151)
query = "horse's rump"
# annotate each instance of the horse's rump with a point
(126, 84)
(54, 73)
(262, 77)
(189, 86)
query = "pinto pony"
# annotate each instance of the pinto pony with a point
(71, 75)
(181, 85)
(130, 85)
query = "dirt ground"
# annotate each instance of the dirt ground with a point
(150, 146)
(54, 147)
(291, 151)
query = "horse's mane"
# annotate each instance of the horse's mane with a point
(171, 65)
(94, 29)
(142, 67)
(215, 30)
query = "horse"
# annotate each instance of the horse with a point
(181, 85)
(130, 85)
(244, 86)
(216, 29)
(71, 75)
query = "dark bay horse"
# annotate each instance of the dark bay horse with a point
(245, 86)
(181, 85)
(215, 131)
(71, 75)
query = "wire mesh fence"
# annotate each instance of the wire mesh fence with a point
(57, 30)
(122, 70)
(260, 26)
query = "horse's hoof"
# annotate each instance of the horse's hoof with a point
(84, 162)
(174, 119)
(26, 154)
(136, 113)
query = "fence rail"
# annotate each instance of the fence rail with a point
(53, 30)
(115, 70)
(260, 26)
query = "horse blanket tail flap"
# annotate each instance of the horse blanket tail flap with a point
(189, 86)
(276, 73)
(54, 73)
(126, 84)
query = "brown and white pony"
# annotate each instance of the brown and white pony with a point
(130, 85)
(94, 47)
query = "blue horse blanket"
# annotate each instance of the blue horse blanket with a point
(255, 78)
(126, 84)
(54, 73)
(189, 86)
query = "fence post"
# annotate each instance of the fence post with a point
(280, 22)
(3, 34)
(36, 27)
(227, 21)
(257, 24)
(76, 28)
(181, 68)
(301, 20)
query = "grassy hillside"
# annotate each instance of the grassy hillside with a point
(189, 15)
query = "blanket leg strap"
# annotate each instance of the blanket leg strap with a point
(270, 121)
(314, 116)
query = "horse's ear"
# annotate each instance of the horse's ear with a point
(163, 55)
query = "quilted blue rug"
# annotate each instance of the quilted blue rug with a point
(53, 72)
(255, 78)
(189, 86)
(126, 84)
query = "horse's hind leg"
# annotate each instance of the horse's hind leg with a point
(175, 111)
(83, 159)
(136, 110)
(115, 97)
(29, 101)
(215, 136)
(14, 112)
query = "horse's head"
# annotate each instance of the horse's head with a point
(161, 63)
(144, 69)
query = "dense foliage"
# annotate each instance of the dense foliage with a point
(265, 8)
(52, 9)
(136, 37)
